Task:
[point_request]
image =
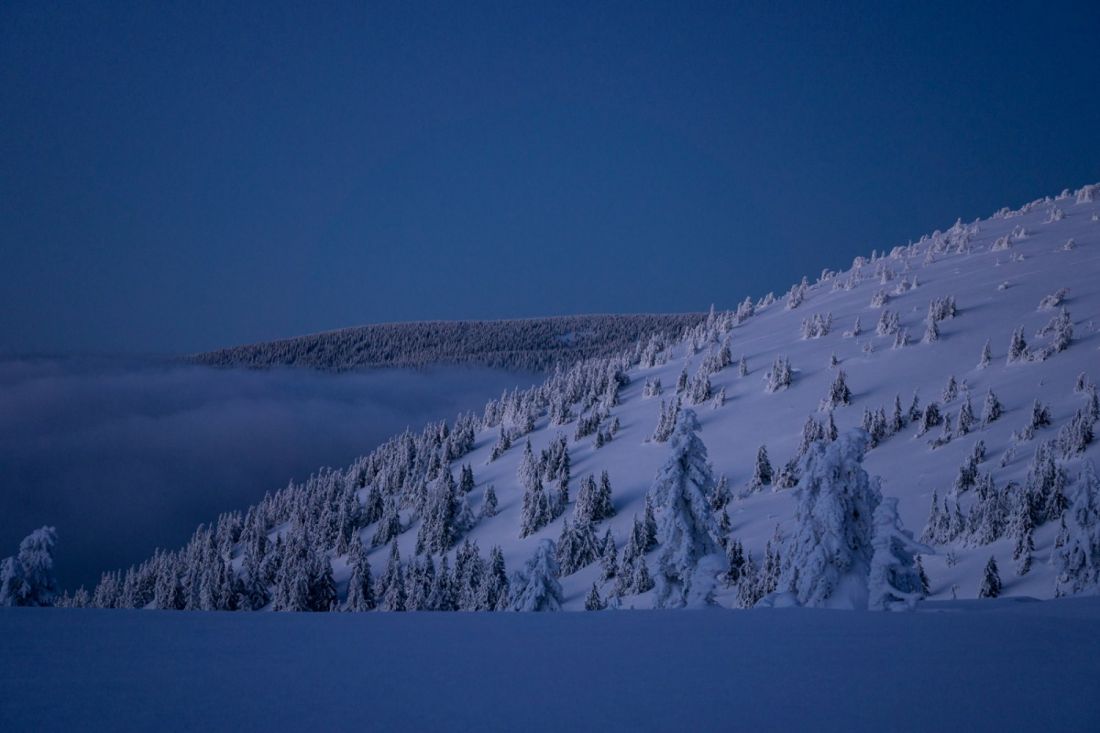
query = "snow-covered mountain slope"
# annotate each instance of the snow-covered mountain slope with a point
(976, 283)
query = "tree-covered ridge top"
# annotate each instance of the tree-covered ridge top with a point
(535, 344)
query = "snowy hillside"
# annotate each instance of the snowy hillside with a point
(849, 350)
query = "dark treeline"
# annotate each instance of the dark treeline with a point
(531, 344)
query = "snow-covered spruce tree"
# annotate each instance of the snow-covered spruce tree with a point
(811, 432)
(536, 509)
(686, 532)
(27, 579)
(1076, 435)
(735, 562)
(389, 526)
(419, 582)
(991, 409)
(931, 333)
(742, 367)
(779, 376)
(1024, 541)
(489, 502)
(609, 557)
(442, 597)
(929, 418)
(469, 576)
(577, 547)
(966, 417)
(1077, 561)
(828, 557)
(839, 394)
(1060, 331)
(986, 357)
(360, 595)
(593, 602)
(666, 420)
(536, 587)
(494, 593)
(1017, 347)
(437, 532)
(392, 590)
(682, 381)
(990, 586)
(762, 471)
(894, 576)
(950, 390)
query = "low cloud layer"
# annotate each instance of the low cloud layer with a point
(124, 457)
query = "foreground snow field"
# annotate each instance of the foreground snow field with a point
(968, 666)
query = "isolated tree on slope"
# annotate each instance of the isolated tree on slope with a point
(895, 575)
(536, 587)
(27, 579)
(762, 473)
(1077, 561)
(991, 581)
(832, 544)
(686, 532)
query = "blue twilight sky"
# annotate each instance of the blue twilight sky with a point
(180, 176)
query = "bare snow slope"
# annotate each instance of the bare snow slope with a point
(994, 665)
(995, 291)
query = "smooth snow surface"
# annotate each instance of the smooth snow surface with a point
(974, 666)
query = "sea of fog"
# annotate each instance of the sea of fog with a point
(127, 455)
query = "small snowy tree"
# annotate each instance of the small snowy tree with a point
(990, 586)
(1017, 347)
(839, 394)
(536, 587)
(991, 409)
(779, 376)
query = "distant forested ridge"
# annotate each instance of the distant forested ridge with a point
(534, 344)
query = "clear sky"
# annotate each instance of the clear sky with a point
(180, 176)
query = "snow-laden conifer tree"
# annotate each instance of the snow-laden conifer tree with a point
(991, 409)
(986, 357)
(577, 546)
(27, 579)
(495, 589)
(1077, 560)
(489, 502)
(686, 532)
(839, 394)
(828, 557)
(990, 586)
(361, 585)
(1017, 347)
(894, 576)
(762, 471)
(536, 587)
(393, 582)
(779, 376)
(593, 602)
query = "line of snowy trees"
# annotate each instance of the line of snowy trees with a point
(533, 344)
